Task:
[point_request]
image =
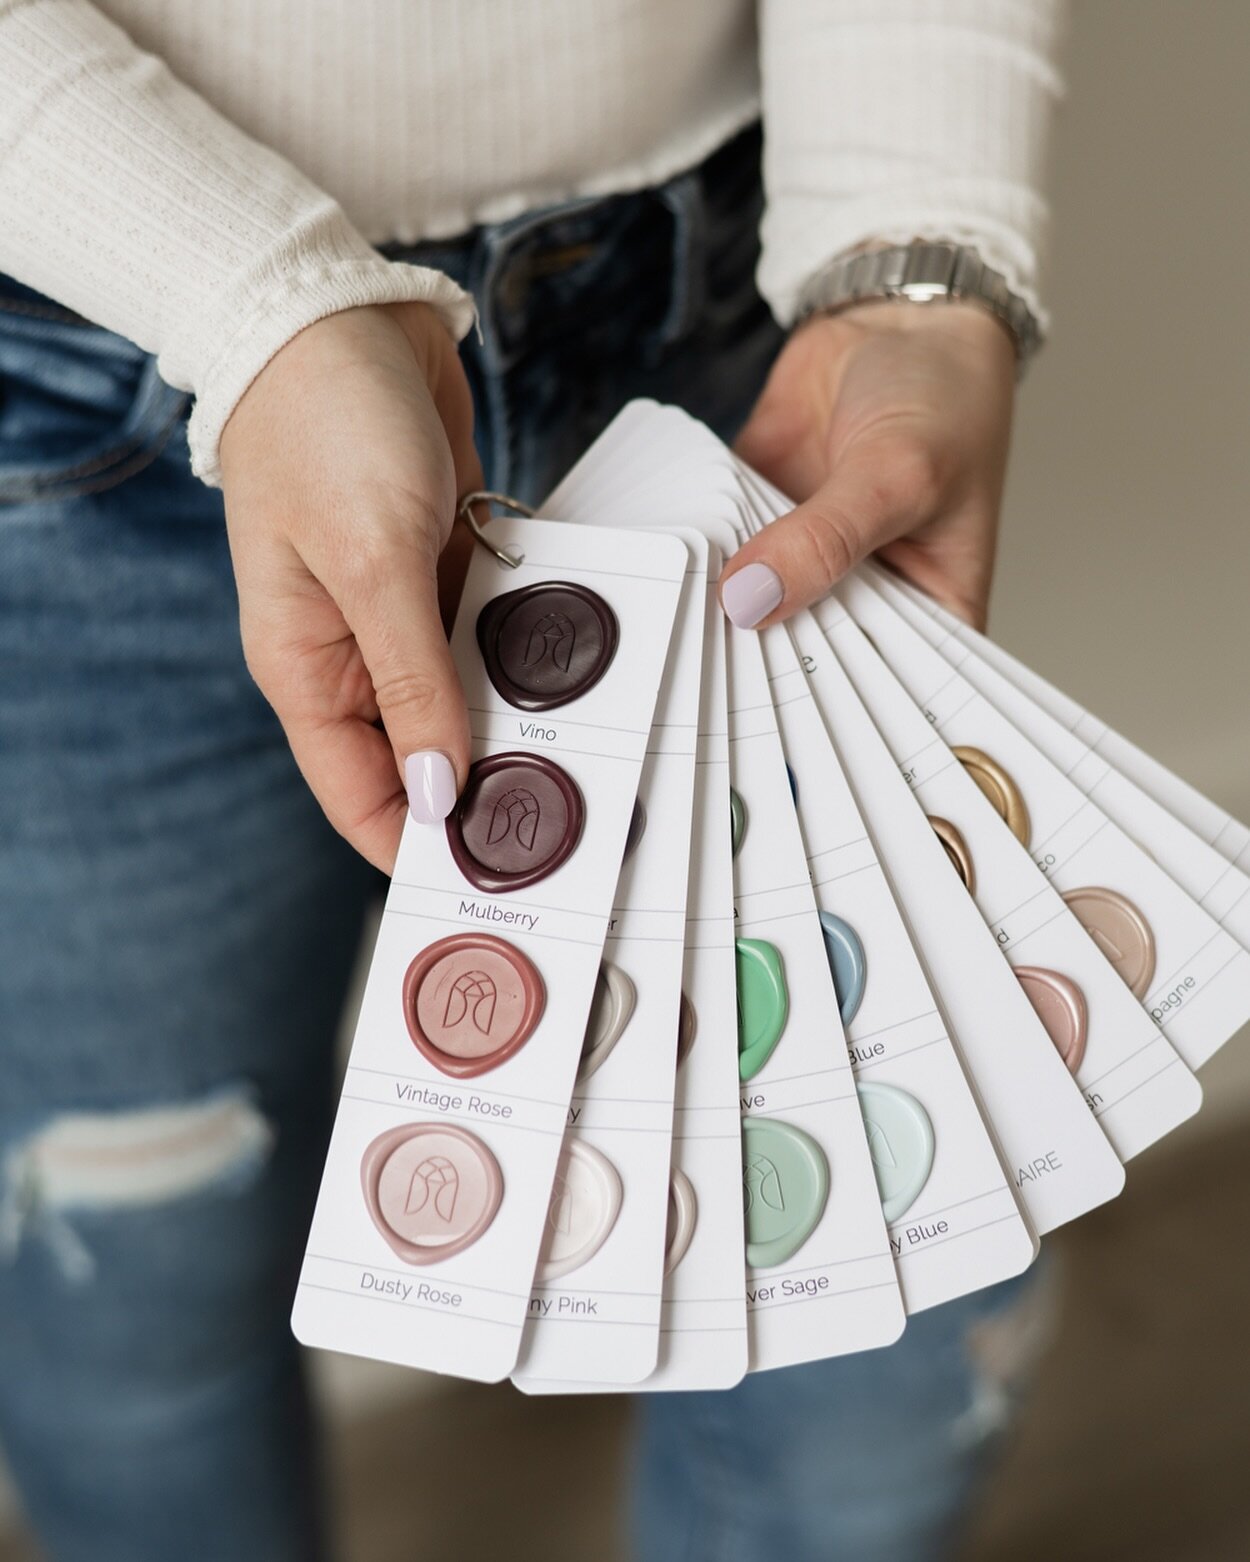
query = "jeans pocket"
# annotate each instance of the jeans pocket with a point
(81, 409)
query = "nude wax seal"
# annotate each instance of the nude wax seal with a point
(1120, 931)
(432, 1189)
(547, 644)
(518, 819)
(470, 1002)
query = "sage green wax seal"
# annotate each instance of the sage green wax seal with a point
(763, 1003)
(900, 1141)
(737, 821)
(785, 1184)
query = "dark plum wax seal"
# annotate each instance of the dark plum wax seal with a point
(547, 644)
(518, 819)
(471, 1001)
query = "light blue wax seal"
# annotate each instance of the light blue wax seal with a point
(900, 1141)
(847, 962)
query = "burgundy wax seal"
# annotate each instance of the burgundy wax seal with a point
(471, 1002)
(547, 644)
(518, 819)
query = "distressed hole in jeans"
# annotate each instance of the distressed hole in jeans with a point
(1005, 1349)
(101, 1161)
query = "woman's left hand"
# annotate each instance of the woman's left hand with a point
(889, 425)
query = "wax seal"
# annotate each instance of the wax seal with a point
(470, 1002)
(956, 848)
(518, 819)
(637, 829)
(683, 1216)
(848, 964)
(998, 786)
(763, 1003)
(901, 1144)
(547, 644)
(785, 1185)
(737, 821)
(610, 1011)
(1121, 932)
(431, 1189)
(687, 1028)
(585, 1201)
(1061, 1007)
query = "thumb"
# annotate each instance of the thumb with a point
(397, 626)
(880, 490)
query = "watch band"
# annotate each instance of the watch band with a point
(922, 273)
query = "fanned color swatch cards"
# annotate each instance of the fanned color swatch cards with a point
(760, 990)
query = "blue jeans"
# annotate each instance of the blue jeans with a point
(178, 924)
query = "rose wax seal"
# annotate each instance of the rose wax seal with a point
(547, 644)
(432, 1189)
(518, 819)
(470, 1002)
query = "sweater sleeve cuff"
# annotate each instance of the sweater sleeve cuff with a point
(783, 282)
(311, 290)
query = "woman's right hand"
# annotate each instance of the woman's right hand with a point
(341, 468)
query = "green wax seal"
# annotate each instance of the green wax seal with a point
(763, 1003)
(785, 1183)
(900, 1141)
(737, 820)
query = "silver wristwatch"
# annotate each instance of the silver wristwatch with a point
(923, 273)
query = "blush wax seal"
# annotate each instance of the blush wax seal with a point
(547, 644)
(518, 819)
(1062, 1009)
(432, 1189)
(470, 1002)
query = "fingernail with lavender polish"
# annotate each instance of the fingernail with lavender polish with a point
(751, 594)
(431, 783)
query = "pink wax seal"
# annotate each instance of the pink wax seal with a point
(471, 1002)
(1061, 1007)
(432, 1189)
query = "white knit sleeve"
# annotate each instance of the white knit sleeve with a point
(899, 119)
(125, 197)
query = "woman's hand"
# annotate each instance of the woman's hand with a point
(890, 424)
(341, 468)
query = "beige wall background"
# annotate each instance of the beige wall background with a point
(1124, 571)
(1125, 561)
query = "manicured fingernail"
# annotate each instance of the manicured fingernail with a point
(751, 594)
(431, 784)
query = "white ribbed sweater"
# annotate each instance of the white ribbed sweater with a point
(208, 179)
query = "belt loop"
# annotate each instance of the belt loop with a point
(683, 196)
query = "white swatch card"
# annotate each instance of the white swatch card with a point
(703, 1331)
(1209, 822)
(1198, 987)
(459, 1171)
(1210, 874)
(1128, 1069)
(597, 1320)
(838, 1290)
(895, 1036)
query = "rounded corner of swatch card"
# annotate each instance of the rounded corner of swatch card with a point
(676, 547)
(893, 1323)
(1193, 1095)
(1024, 1252)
